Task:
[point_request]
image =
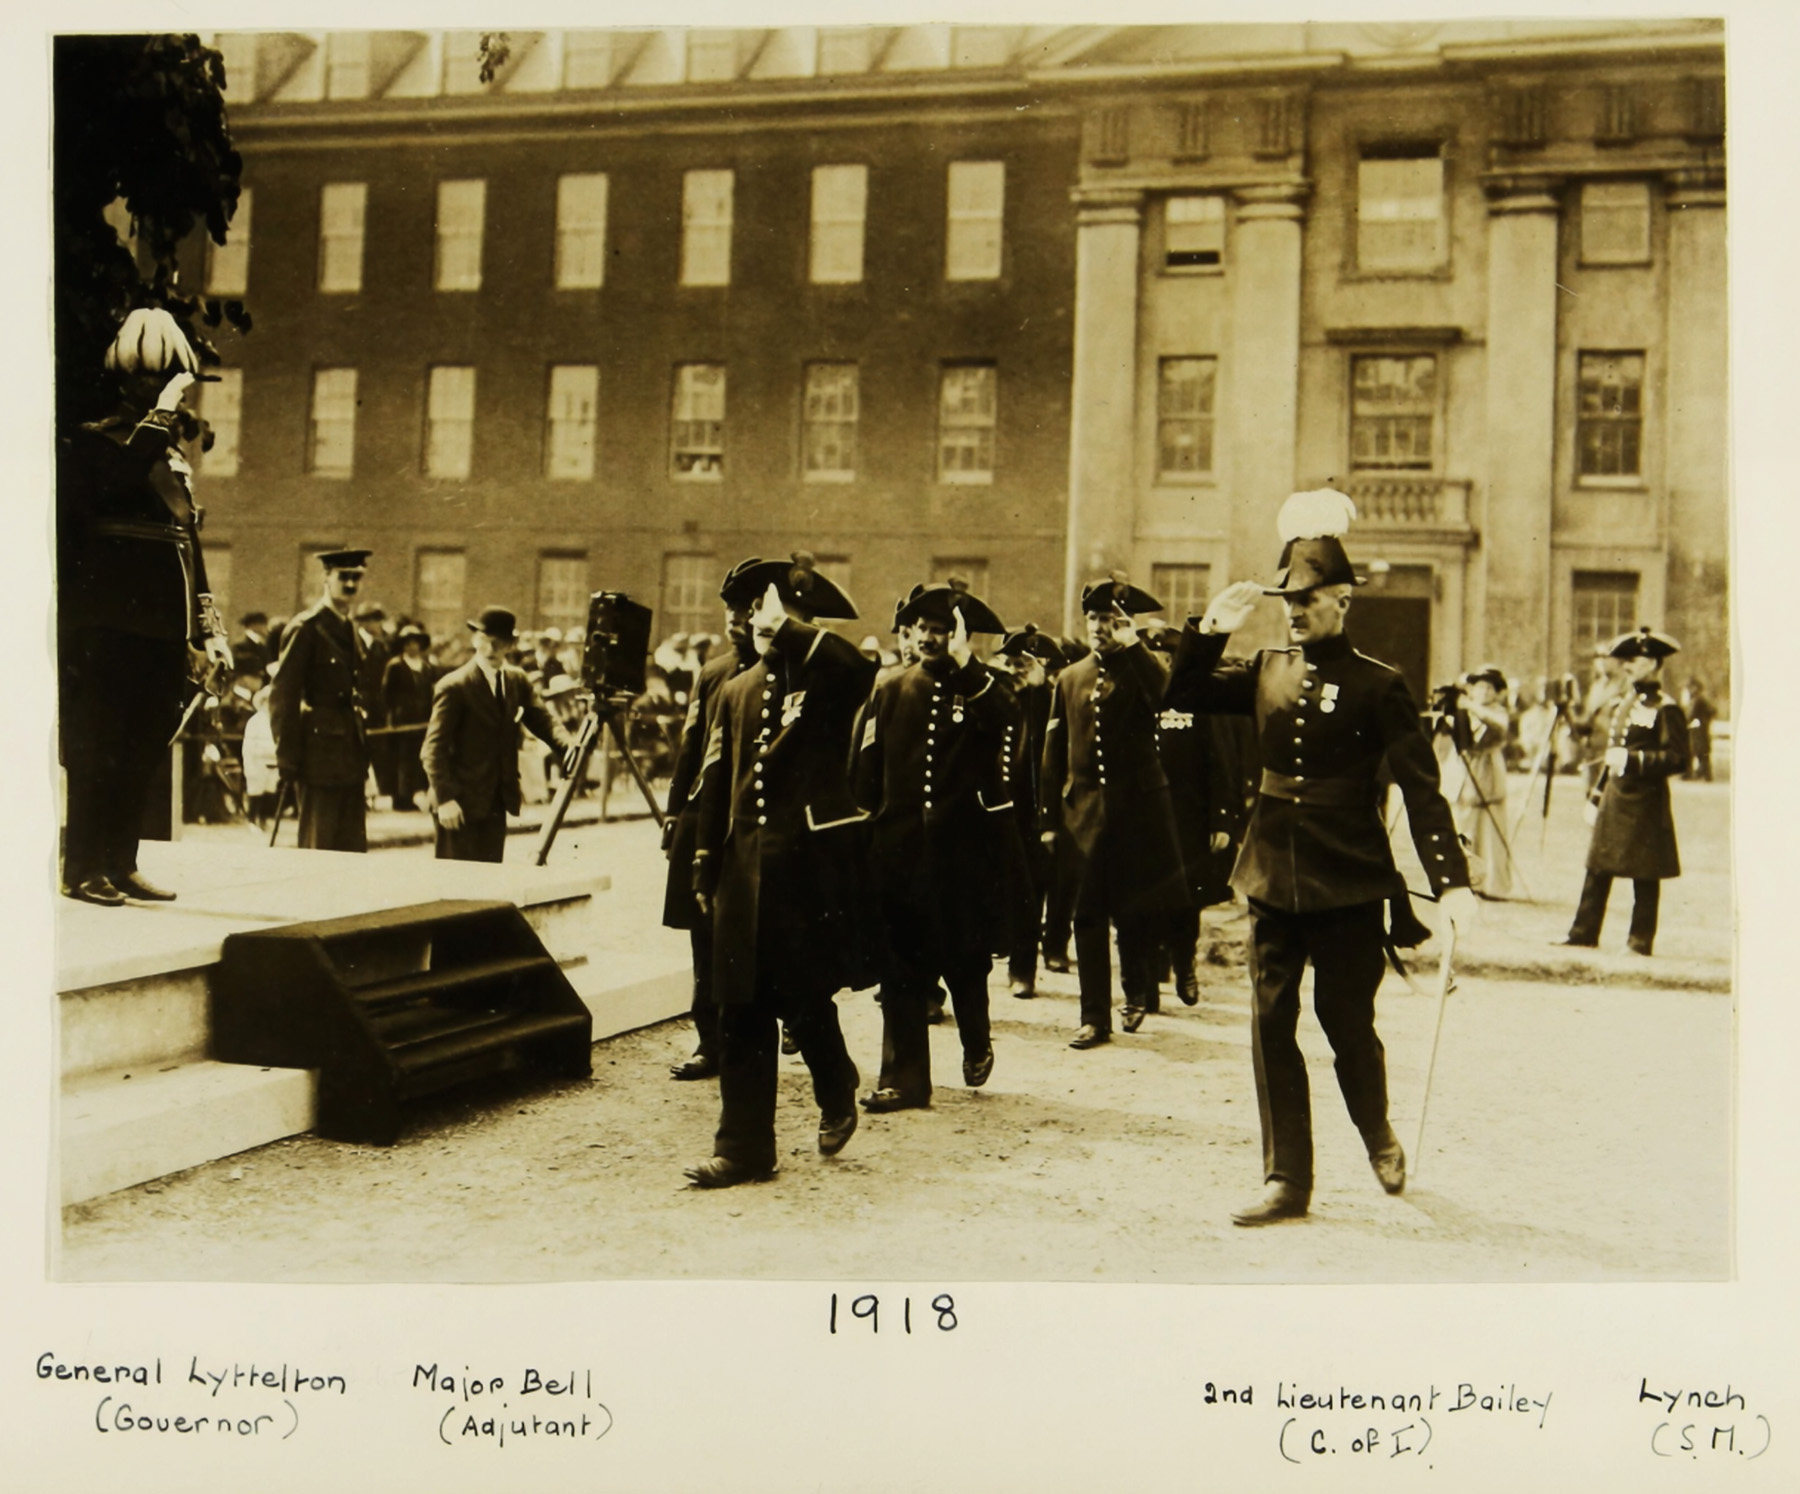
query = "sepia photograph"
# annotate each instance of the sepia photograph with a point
(535, 509)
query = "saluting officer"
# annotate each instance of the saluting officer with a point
(681, 910)
(1104, 786)
(318, 713)
(930, 769)
(1634, 828)
(1316, 864)
(779, 851)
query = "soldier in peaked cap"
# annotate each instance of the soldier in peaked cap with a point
(1634, 827)
(1105, 788)
(680, 908)
(318, 713)
(778, 857)
(1316, 866)
(931, 771)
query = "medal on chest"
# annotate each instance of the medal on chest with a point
(956, 710)
(791, 706)
(1175, 720)
(1328, 699)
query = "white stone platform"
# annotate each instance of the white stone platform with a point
(140, 1099)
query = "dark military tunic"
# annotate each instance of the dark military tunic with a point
(680, 911)
(317, 712)
(1634, 835)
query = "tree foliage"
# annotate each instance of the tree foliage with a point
(138, 119)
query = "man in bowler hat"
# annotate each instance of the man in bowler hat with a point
(318, 712)
(1316, 865)
(471, 751)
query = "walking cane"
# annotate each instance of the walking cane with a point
(283, 792)
(1445, 961)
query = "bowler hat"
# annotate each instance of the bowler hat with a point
(942, 602)
(496, 622)
(1645, 643)
(1116, 594)
(800, 585)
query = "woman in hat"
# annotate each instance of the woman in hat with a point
(1475, 777)
(1634, 827)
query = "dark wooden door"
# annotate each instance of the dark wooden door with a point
(1397, 631)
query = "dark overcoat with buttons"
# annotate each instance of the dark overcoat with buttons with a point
(680, 911)
(315, 703)
(1634, 835)
(784, 839)
(1104, 783)
(931, 769)
(1329, 721)
(1205, 799)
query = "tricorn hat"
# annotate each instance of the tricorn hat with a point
(1027, 640)
(1313, 555)
(1116, 594)
(900, 606)
(1645, 643)
(344, 558)
(496, 622)
(943, 601)
(797, 579)
(1074, 650)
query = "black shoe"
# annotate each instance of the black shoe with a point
(96, 890)
(882, 1101)
(1638, 946)
(976, 1070)
(1057, 962)
(1132, 1017)
(789, 1043)
(133, 885)
(1023, 990)
(1090, 1036)
(1573, 943)
(835, 1131)
(722, 1172)
(934, 1011)
(1280, 1202)
(1187, 986)
(1389, 1163)
(700, 1066)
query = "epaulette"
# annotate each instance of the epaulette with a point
(1369, 659)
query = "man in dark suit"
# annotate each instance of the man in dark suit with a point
(780, 850)
(406, 689)
(930, 768)
(253, 650)
(1104, 787)
(681, 909)
(471, 751)
(374, 652)
(1316, 865)
(318, 713)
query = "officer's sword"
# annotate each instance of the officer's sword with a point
(1447, 935)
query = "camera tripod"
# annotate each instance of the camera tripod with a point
(607, 715)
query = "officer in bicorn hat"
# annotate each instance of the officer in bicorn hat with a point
(931, 771)
(1316, 865)
(471, 750)
(779, 852)
(740, 592)
(318, 713)
(1027, 653)
(1105, 788)
(1634, 827)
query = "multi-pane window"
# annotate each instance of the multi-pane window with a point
(712, 56)
(461, 211)
(977, 203)
(1393, 407)
(228, 264)
(843, 49)
(221, 407)
(347, 55)
(706, 228)
(238, 48)
(570, 420)
(840, 200)
(462, 63)
(449, 421)
(697, 425)
(690, 594)
(966, 420)
(333, 452)
(1184, 415)
(1609, 425)
(968, 571)
(587, 59)
(581, 231)
(342, 209)
(1603, 604)
(1615, 223)
(440, 581)
(562, 591)
(1182, 590)
(828, 422)
(1400, 217)
(1194, 233)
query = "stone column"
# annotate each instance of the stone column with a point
(1521, 421)
(1697, 417)
(1102, 418)
(1261, 379)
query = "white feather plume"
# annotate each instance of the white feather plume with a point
(1314, 514)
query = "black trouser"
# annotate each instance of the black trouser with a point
(1026, 912)
(905, 1032)
(333, 817)
(1139, 935)
(748, 1067)
(477, 840)
(1062, 882)
(1184, 940)
(1590, 912)
(704, 1010)
(1344, 946)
